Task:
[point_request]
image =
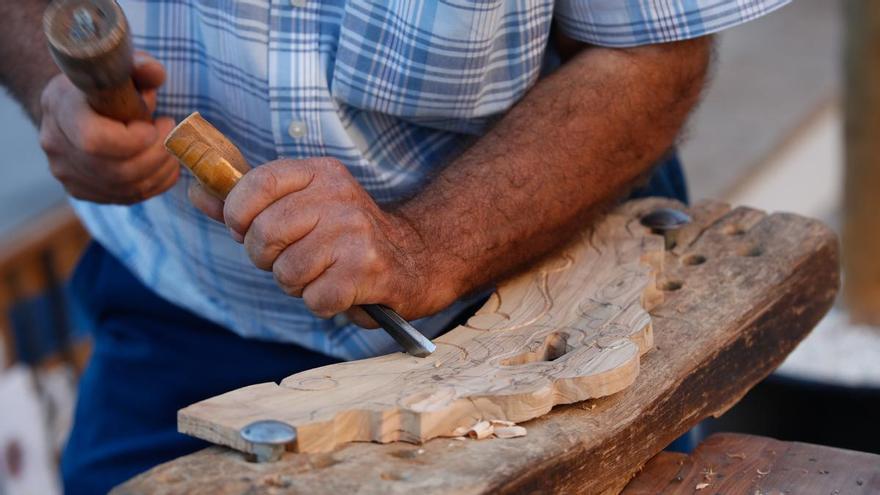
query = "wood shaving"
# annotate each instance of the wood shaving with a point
(481, 430)
(700, 486)
(501, 422)
(510, 431)
(735, 456)
(460, 431)
(500, 428)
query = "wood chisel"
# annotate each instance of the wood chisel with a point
(90, 42)
(218, 165)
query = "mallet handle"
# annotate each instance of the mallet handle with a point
(98, 60)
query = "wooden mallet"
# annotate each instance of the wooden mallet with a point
(90, 42)
(218, 165)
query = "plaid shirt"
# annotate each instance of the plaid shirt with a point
(394, 89)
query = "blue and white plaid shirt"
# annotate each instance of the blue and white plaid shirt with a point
(393, 88)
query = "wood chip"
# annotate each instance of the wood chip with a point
(501, 422)
(700, 486)
(460, 431)
(481, 430)
(510, 431)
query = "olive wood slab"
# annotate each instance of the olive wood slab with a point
(750, 287)
(572, 328)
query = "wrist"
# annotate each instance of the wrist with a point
(439, 277)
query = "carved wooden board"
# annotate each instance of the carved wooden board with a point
(571, 329)
(741, 290)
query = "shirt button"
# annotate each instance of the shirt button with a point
(298, 3)
(297, 129)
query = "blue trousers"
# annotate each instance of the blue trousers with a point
(152, 358)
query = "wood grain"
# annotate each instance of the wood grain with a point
(763, 283)
(214, 160)
(734, 463)
(571, 329)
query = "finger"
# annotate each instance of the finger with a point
(83, 176)
(149, 162)
(86, 191)
(99, 136)
(205, 201)
(163, 180)
(148, 73)
(331, 293)
(281, 224)
(302, 263)
(263, 186)
(360, 318)
(150, 100)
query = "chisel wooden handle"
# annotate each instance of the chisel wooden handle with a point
(218, 165)
(214, 160)
(90, 42)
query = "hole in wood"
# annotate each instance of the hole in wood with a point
(734, 229)
(554, 347)
(694, 259)
(671, 285)
(750, 251)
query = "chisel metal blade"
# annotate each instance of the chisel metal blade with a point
(412, 341)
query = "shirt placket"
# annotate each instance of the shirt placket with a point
(294, 67)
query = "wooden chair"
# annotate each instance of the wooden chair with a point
(35, 263)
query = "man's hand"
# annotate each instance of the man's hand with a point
(99, 159)
(575, 143)
(327, 241)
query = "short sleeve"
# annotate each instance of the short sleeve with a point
(621, 23)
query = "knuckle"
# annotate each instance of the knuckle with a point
(59, 171)
(89, 141)
(261, 244)
(48, 142)
(358, 221)
(261, 233)
(264, 179)
(371, 260)
(326, 302)
(286, 277)
(142, 191)
(333, 165)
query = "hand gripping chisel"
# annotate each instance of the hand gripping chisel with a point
(218, 165)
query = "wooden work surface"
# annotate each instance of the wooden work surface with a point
(742, 289)
(731, 463)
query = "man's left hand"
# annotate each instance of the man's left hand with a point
(325, 240)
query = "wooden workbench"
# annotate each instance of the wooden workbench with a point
(732, 463)
(742, 289)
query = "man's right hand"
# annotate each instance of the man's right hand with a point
(99, 159)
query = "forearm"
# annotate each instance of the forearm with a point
(25, 64)
(575, 143)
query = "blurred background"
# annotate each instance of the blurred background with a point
(769, 134)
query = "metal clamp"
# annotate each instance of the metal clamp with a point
(269, 438)
(666, 222)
